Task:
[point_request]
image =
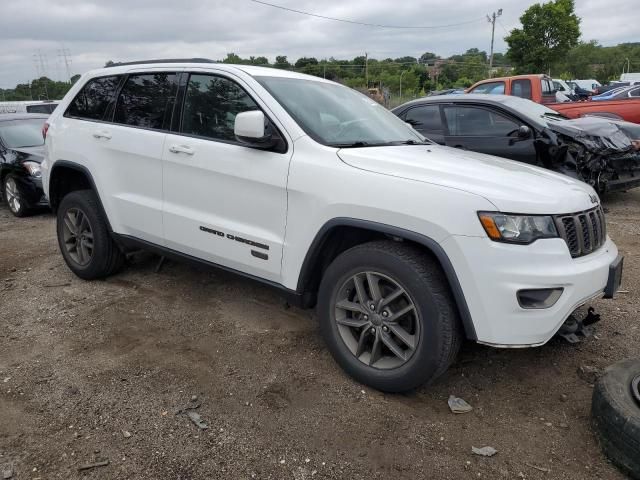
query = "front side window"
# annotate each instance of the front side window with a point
(92, 101)
(425, 119)
(521, 88)
(478, 122)
(338, 116)
(493, 88)
(22, 133)
(146, 100)
(211, 104)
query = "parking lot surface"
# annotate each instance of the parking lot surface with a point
(95, 371)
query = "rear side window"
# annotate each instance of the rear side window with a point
(521, 88)
(425, 119)
(146, 100)
(494, 88)
(94, 98)
(44, 108)
(211, 104)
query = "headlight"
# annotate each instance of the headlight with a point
(33, 168)
(522, 229)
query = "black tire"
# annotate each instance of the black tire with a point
(440, 331)
(106, 257)
(22, 210)
(615, 412)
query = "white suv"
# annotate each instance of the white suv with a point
(407, 247)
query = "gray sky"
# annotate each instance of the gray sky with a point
(96, 31)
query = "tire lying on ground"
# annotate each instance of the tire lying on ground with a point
(615, 411)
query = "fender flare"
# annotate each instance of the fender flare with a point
(85, 171)
(430, 244)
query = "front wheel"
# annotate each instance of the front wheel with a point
(84, 238)
(14, 198)
(388, 317)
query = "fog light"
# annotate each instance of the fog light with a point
(539, 297)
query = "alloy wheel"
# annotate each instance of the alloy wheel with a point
(12, 195)
(635, 388)
(78, 236)
(377, 320)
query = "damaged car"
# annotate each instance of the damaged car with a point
(603, 152)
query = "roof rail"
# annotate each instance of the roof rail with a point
(163, 60)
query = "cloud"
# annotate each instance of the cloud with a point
(97, 31)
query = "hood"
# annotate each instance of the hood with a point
(598, 135)
(511, 186)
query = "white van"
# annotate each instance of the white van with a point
(29, 106)
(590, 84)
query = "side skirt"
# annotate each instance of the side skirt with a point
(127, 242)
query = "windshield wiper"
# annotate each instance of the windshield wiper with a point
(379, 144)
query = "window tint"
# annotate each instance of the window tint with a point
(521, 88)
(94, 98)
(44, 108)
(495, 88)
(211, 105)
(425, 118)
(478, 122)
(146, 100)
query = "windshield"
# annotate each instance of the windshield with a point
(338, 116)
(22, 133)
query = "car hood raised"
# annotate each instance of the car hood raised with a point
(511, 186)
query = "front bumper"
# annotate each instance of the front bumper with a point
(32, 192)
(490, 274)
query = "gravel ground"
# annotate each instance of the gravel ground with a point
(94, 371)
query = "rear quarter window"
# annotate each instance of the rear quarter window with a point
(92, 101)
(521, 88)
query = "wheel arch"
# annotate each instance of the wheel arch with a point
(66, 177)
(339, 234)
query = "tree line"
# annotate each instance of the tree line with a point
(547, 41)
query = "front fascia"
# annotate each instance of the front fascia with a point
(491, 273)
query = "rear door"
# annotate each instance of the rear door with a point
(223, 201)
(486, 130)
(132, 146)
(124, 159)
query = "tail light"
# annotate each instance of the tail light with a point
(45, 129)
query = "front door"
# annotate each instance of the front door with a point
(484, 130)
(223, 202)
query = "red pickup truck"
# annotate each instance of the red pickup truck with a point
(540, 89)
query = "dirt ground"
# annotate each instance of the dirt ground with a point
(94, 371)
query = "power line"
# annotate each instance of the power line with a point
(354, 22)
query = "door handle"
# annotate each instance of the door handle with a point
(102, 134)
(181, 149)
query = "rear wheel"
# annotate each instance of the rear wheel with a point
(14, 198)
(388, 317)
(84, 239)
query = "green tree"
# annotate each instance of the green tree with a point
(282, 62)
(549, 30)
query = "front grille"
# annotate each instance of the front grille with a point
(584, 232)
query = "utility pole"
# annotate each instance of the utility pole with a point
(492, 20)
(64, 53)
(366, 69)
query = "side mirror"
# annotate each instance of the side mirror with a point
(252, 129)
(524, 131)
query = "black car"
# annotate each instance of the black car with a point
(600, 151)
(21, 152)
